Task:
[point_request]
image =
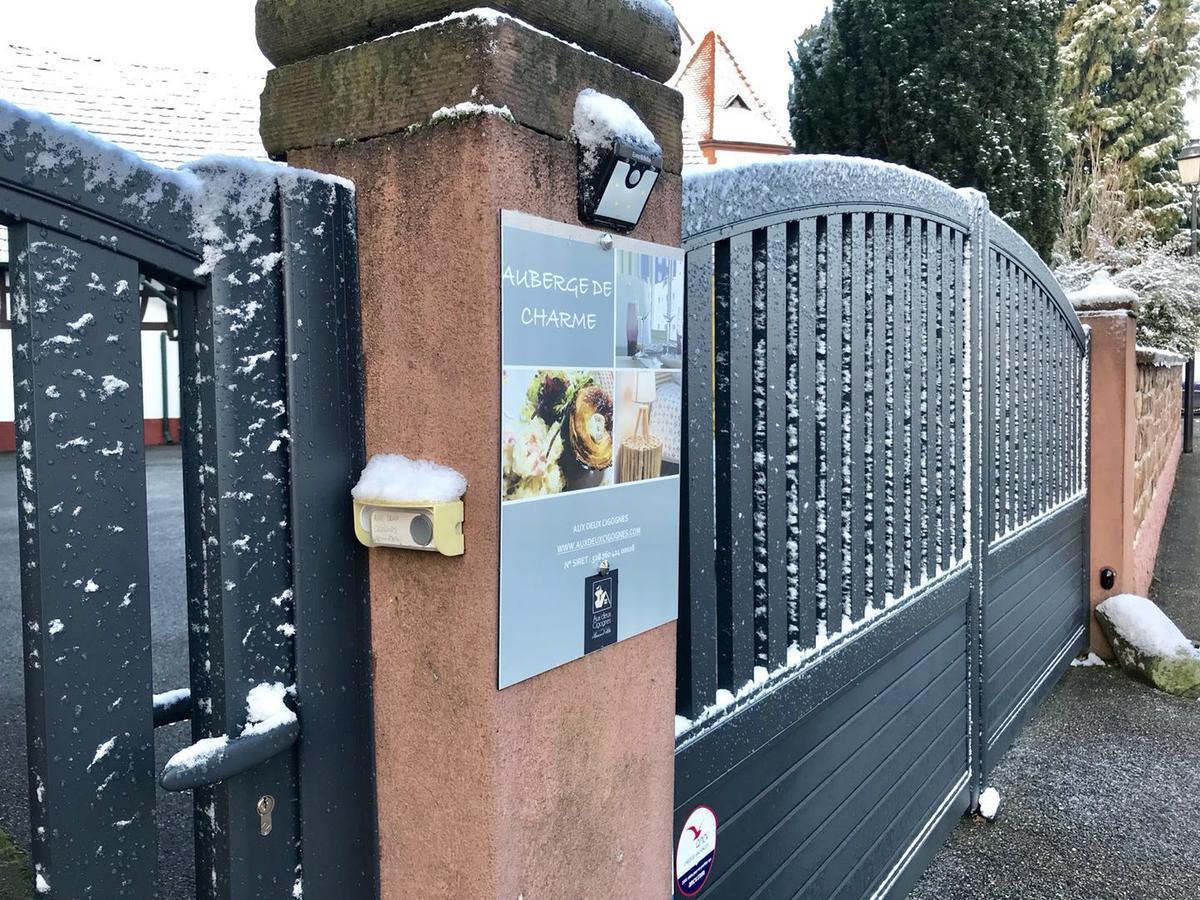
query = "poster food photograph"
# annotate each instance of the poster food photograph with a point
(590, 442)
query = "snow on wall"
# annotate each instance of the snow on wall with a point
(469, 109)
(1102, 293)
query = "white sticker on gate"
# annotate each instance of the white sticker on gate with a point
(695, 851)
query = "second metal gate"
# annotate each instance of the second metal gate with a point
(883, 557)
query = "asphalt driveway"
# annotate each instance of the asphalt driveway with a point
(1098, 794)
(168, 619)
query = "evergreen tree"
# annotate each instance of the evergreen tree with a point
(1125, 66)
(962, 89)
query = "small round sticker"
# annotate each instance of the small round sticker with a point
(696, 850)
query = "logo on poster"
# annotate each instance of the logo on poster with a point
(600, 610)
(696, 851)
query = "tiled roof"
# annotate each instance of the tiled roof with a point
(719, 103)
(167, 116)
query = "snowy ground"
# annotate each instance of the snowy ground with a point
(164, 490)
(1099, 792)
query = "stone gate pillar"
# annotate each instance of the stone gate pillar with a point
(561, 785)
(1113, 418)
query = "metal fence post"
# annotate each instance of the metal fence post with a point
(1189, 401)
(981, 420)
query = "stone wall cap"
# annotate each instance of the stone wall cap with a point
(1156, 356)
(1117, 311)
(1101, 293)
(465, 66)
(642, 35)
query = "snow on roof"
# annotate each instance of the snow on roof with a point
(711, 81)
(166, 116)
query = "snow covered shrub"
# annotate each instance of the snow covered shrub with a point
(1166, 280)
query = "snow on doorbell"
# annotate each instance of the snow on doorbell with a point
(412, 504)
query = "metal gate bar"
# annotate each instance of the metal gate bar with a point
(324, 403)
(84, 565)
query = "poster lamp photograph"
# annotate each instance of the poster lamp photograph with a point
(411, 504)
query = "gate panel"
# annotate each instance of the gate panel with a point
(933, 556)
(808, 782)
(84, 565)
(1035, 609)
(235, 413)
(830, 770)
(324, 383)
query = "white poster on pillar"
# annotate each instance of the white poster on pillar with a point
(591, 441)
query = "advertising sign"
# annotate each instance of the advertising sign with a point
(591, 441)
(695, 851)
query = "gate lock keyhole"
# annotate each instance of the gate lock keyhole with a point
(266, 804)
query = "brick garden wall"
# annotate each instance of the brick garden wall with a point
(1158, 443)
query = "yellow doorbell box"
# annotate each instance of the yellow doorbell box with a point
(409, 504)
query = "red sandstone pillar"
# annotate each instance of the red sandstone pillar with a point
(562, 785)
(1111, 454)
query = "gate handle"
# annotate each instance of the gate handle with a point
(212, 760)
(172, 706)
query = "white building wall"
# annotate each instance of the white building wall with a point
(152, 373)
(6, 376)
(152, 376)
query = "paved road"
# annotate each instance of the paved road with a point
(1099, 792)
(168, 621)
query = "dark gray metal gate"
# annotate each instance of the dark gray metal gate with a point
(263, 259)
(847, 667)
(1036, 610)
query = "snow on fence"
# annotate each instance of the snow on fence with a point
(841, 319)
(264, 261)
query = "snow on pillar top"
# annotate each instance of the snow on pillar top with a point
(642, 35)
(481, 62)
(1102, 294)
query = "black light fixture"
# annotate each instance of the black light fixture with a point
(614, 188)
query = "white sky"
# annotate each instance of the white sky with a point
(190, 34)
(169, 32)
